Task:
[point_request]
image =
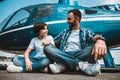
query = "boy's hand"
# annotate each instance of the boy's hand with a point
(45, 43)
(28, 65)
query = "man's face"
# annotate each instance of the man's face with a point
(71, 20)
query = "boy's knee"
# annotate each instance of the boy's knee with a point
(15, 58)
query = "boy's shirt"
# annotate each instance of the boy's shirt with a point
(36, 44)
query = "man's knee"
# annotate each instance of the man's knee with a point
(47, 48)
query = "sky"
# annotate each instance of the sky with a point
(7, 7)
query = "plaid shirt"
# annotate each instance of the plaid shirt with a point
(85, 37)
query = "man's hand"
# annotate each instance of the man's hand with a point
(99, 49)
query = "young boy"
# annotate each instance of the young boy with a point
(34, 57)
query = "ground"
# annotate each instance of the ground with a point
(105, 75)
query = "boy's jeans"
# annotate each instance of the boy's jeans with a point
(38, 63)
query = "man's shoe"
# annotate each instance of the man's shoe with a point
(89, 69)
(56, 68)
(12, 68)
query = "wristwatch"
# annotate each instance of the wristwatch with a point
(99, 37)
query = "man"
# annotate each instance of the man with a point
(80, 48)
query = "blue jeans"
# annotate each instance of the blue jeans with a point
(38, 63)
(69, 59)
(108, 60)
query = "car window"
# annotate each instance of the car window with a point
(87, 11)
(2, 24)
(43, 11)
(19, 18)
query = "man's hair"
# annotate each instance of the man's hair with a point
(38, 26)
(76, 13)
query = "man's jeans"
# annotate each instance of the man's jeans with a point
(38, 63)
(108, 60)
(69, 59)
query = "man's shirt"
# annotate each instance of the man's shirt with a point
(85, 37)
(72, 43)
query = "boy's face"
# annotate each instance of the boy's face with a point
(43, 32)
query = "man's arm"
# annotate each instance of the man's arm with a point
(97, 36)
(99, 49)
(59, 37)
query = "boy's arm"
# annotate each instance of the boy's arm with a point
(28, 63)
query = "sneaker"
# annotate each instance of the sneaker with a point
(12, 68)
(90, 69)
(56, 68)
(44, 70)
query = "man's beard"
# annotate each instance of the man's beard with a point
(71, 25)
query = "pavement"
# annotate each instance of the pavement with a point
(105, 75)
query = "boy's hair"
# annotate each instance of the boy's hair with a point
(38, 26)
(76, 13)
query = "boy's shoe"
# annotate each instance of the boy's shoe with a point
(56, 68)
(12, 68)
(44, 70)
(90, 69)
